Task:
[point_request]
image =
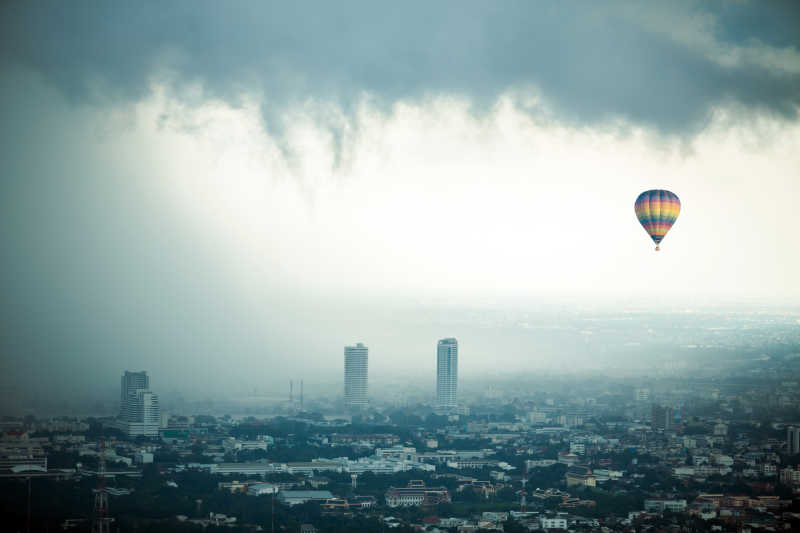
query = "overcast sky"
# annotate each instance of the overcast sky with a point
(237, 187)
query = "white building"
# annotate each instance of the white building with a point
(658, 506)
(537, 417)
(294, 497)
(143, 457)
(140, 414)
(260, 489)
(540, 463)
(641, 395)
(355, 376)
(577, 448)
(131, 382)
(405, 453)
(232, 444)
(308, 468)
(552, 523)
(378, 465)
(446, 373)
(247, 469)
(604, 474)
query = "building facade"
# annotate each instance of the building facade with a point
(662, 417)
(140, 414)
(355, 376)
(130, 383)
(447, 373)
(416, 494)
(793, 440)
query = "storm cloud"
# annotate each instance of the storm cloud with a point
(663, 66)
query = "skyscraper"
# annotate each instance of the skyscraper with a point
(446, 373)
(139, 410)
(662, 417)
(355, 376)
(793, 440)
(131, 382)
(641, 395)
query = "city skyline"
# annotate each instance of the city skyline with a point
(320, 267)
(209, 201)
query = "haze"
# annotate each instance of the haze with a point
(226, 196)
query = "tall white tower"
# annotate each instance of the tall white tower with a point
(140, 413)
(446, 373)
(355, 376)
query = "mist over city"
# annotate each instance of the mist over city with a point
(361, 266)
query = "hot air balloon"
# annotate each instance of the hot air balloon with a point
(657, 210)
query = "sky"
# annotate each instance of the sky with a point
(228, 194)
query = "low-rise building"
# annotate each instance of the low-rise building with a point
(475, 464)
(295, 497)
(259, 489)
(246, 469)
(308, 468)
(232, 486)
(552, 523)
(568, 459)
(580, 475)
(234, 445)
(415, 494)
(661, 505)
(485, 488)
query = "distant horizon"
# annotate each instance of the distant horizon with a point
(631, 360)
(227, 196)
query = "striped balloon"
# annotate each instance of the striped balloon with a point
(657, 210)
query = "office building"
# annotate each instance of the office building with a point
(131, 382)
(662, 417)
(641, 395)
(793, 440)
(355, 376)
(446, 373)
(140, 414)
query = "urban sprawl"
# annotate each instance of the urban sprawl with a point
(662, 454)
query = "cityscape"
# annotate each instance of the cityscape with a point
(685, 448)
(414, 267)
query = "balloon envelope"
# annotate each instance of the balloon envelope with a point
(657, 210)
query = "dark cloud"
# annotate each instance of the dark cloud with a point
(591, 61)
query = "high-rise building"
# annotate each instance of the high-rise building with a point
(446, 373)
(641, 395)
(131, 382)
(793, 440)
(355, 376)
(662, 417)
(139, 410)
